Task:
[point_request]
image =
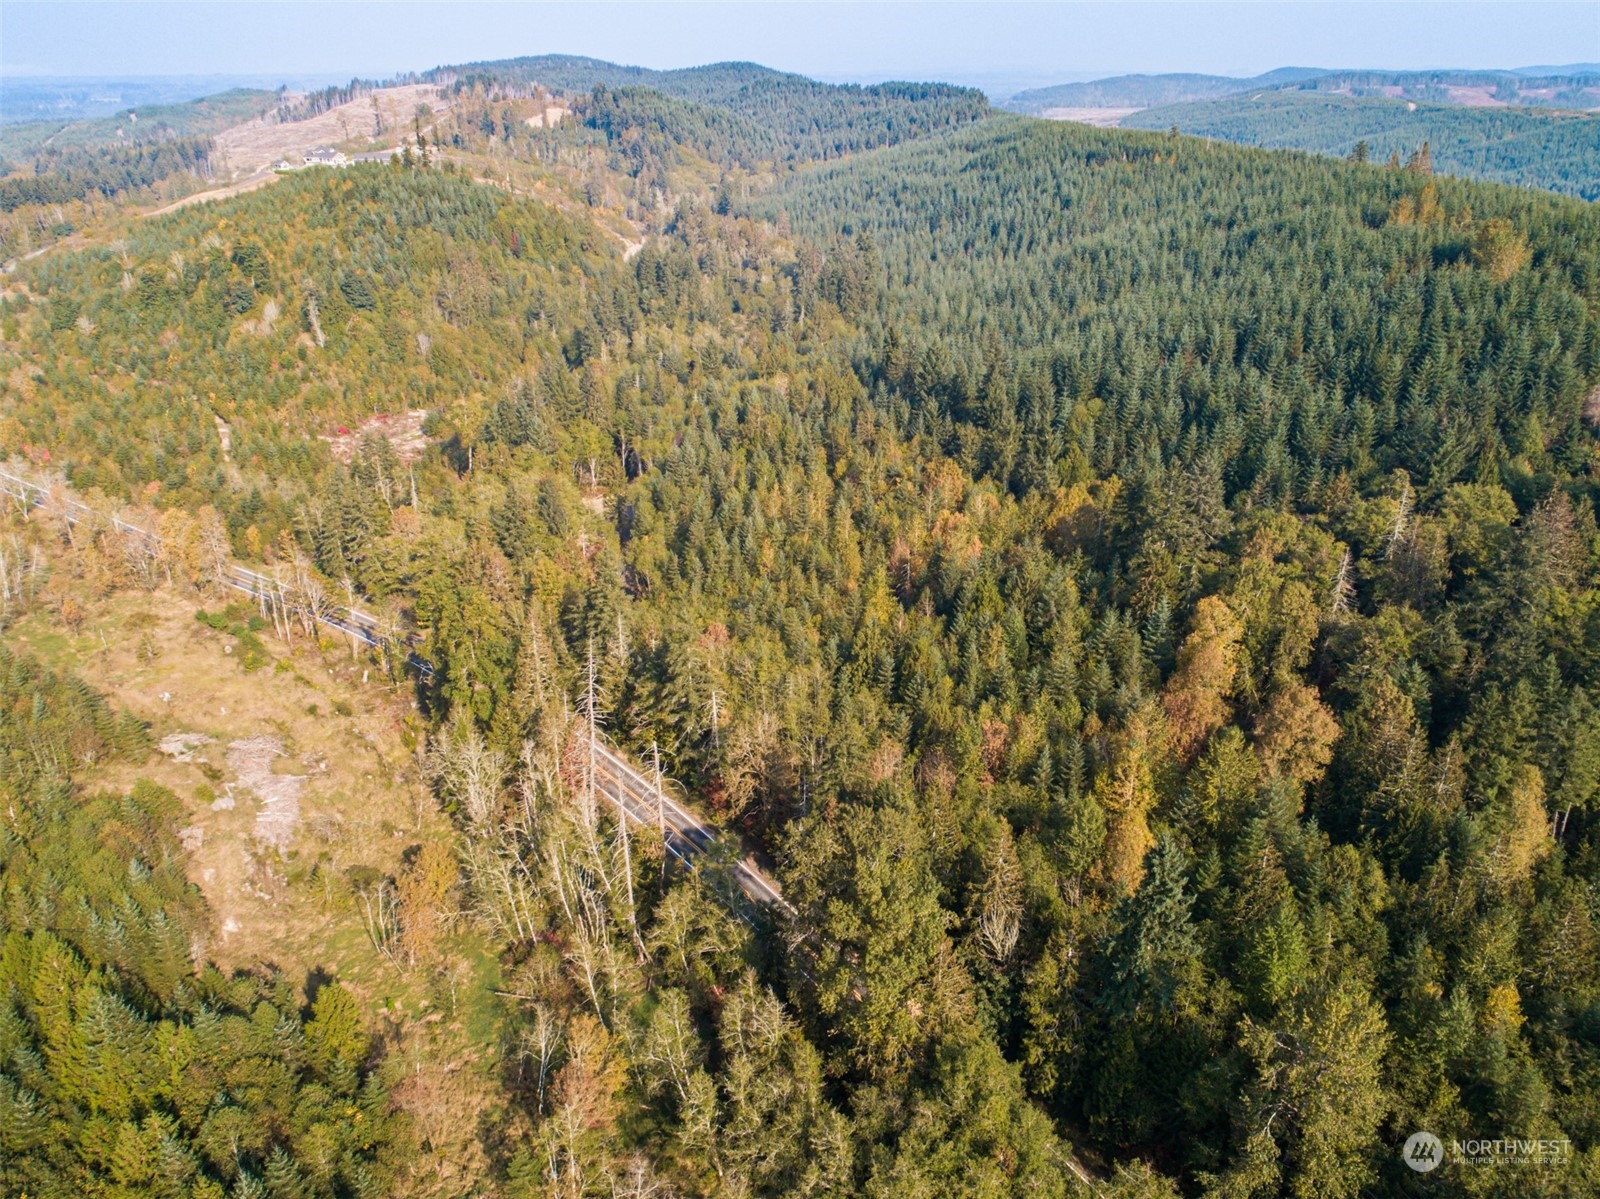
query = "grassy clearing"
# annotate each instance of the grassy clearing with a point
(363, 804)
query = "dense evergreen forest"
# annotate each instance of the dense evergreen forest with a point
(55, 175)
(1141, 593)
(1577, 87)
(1532, 147)
(811, 120)
(60, 176)
(1147, 91)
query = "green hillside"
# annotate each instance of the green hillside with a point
(124, 1068)
(811, 119)
(1579, 89)
(1139, 593)
(147, 123)
(1145, 91)
(1555, 150)
(1574, 88)
(48, 163)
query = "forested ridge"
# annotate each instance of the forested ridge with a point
(1141, 592)
(51, 163)
(811, 120)
(1143, 91)
(56, 177)
(1532, 147)
(60, 176)
(144, 123)
(1575, 88)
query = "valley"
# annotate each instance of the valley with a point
(809, 640)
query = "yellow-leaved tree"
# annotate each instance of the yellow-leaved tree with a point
(1197, 694)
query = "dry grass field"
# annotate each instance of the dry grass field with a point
(361, 802)
(298, 769)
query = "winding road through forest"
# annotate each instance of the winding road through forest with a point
(637, 798)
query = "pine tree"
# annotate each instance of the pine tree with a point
(1148, 956)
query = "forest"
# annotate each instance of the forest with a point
(1139, 594)
(57, 176)
(191, 118)
(1529, 147)
(1533, 87)
(811, 120)
(1148, 91)
(60, 176)
(1576, 87)
(123, 1070)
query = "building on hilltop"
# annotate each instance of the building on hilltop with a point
(322, 156)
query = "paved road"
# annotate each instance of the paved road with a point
(635, 795)
(685, 834)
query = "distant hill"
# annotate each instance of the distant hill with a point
(1471, 89)
(1533, 147)
(1524, 127)
(1146, 91)
(83, 98)
(140, 124)
(1576, 86)
(1571, 68)
(811, 119)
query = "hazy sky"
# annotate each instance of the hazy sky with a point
(968, 42)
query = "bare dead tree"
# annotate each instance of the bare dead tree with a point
(661, 812)
(21, 573)
(590, 713)
(540, 1042)
(1402, 518)
(380, 914)
(468, 770)
(1000, 909)
(1343, 588)
(348, 586)
(141, 553)
(316, 325)
(216, 552)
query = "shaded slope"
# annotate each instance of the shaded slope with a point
(1551, 149)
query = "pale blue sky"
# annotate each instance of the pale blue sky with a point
(1019, 43)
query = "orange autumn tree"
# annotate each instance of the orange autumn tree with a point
(1127, 793)
(1197, 694)
(1295, 734)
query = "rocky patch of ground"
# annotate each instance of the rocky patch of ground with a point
(403, 431)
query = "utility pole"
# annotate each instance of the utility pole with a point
(661, 813)
(588, 703)
(627, 874)
(622, 811)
